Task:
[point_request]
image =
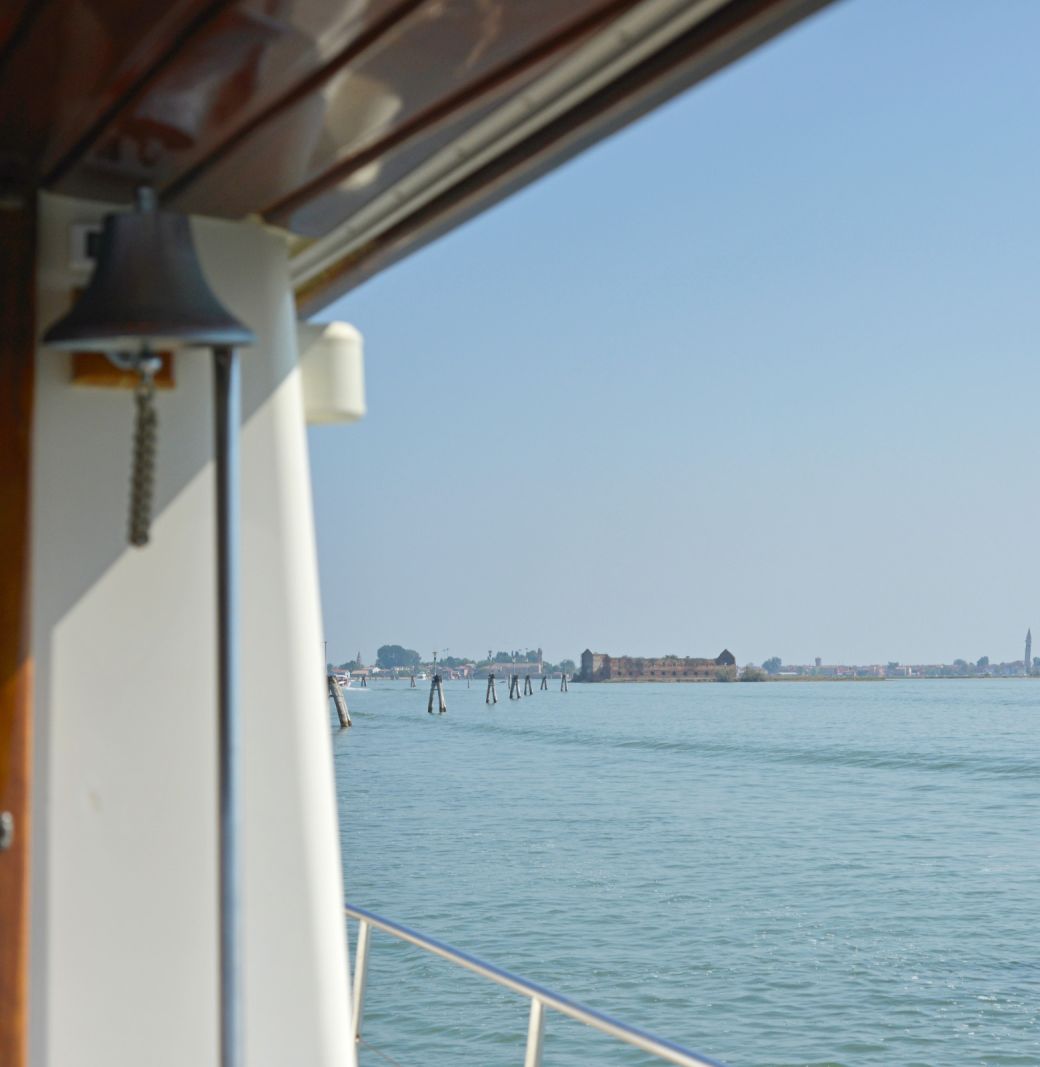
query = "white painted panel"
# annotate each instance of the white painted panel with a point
(124, 884)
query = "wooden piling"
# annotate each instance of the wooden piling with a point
(339, 700)
(514, 687)
(545, 683)
(528, 686)
(563, 683)
(491, 698)
(436, 687)
(412, 686)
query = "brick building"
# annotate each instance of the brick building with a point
(600, 667)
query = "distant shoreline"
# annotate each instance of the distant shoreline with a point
(911, 678)
(816, 678)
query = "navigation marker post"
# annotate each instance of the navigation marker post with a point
(339, 700)
(436, 687)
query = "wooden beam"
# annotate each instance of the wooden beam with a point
(312, 83)
(97, 370)
(719, 40)
(425, 121)
(17, 355)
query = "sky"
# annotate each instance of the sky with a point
(758, 372)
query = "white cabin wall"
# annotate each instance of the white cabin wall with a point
(124, 879)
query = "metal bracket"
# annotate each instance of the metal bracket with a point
(144, 361)
(6, 830)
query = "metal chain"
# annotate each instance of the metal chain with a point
(142, 471)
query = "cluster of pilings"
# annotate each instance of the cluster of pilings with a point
(491, 697)
(438, 688)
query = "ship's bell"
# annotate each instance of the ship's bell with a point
(147, 289)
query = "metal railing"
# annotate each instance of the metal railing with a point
(540, 997)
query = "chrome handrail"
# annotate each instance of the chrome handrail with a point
(540, 997)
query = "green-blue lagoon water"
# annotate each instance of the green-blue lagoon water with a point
(772, 874)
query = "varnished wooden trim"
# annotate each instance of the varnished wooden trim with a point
(430, 118)
(17, 25)
(708, 47)
(357, 47)
(97, 370)
(135, 90)
(17, 355)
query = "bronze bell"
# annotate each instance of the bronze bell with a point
(147, 289)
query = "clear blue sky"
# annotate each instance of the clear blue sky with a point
(761, 371)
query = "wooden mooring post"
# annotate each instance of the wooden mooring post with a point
(412, 686)
(339, 700)
(545, 683)
(491, 697)
(563, 683)
(436, 687)
(514, 687)
(528, 686)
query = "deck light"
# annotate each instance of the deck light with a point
(332, 368)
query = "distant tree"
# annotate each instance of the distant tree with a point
(1036, 663)
(390, 656)
(772, 666)
(452, 662)
(567, 666)
(961, 664)
(751, 673)
(725, 674)
(351, 665)
(983, 663)
(503, 657)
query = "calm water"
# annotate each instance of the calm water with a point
(777, 874)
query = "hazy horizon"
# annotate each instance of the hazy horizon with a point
(369, 658)
(758, 372)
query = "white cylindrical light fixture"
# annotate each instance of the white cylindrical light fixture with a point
(332, 365)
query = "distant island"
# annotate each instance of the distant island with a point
(1026, 667)
(394, 661)
(600, 667)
